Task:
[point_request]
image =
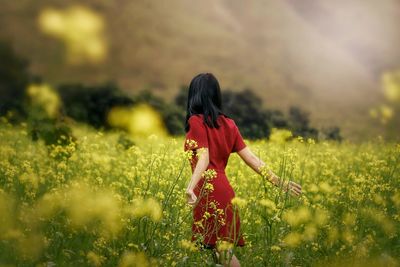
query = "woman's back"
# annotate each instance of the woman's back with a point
(220, 142)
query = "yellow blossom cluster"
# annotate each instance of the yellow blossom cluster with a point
(80, 29)
(95, 203)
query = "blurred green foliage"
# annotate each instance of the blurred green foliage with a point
(299, 123)
(54, 131)
(245, 108)
(14, 77)
(91, 103)
(16, 105)
(255, 121)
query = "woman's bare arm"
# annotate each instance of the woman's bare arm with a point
(201, 166)
(257, 165)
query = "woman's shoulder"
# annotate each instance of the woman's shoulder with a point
(196, 117)
(228, 119)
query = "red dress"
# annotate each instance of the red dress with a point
(214, 216)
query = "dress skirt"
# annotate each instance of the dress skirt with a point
(214, 217)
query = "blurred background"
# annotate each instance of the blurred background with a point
(319, 69)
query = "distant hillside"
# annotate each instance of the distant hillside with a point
(325, 56)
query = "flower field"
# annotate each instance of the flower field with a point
(99, 201)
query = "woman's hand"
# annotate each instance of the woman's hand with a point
(295, 189)
(191, 197)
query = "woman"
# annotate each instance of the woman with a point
(211, 136)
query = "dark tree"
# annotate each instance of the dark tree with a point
(14, 78)
(277, 119)
(174, 118)
(299, 123)
(146, 96)
(245, 108)
(91, 104)
(332, 133)
(181, 98)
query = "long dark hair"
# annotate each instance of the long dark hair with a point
(204, 98)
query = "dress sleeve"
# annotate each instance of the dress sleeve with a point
(239, 143)
(196, 137)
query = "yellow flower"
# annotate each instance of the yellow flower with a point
(209, 174)
(275, 248)
(191, 144)
(292, 239)
(132, 259)
(347, 236)
(81, 30)
(310, 141)
(321, 216)
(396, 198)
(240, 202)
(325, 187)
(199, 224)
(189, 154)
(310, 231)
(94, 259)
(280, 135)
(188, 245)
(333, 234)
(209, 187)
(266, 172)
(149, 207)
(349, 219)
(391, 86)
(45, 97)
(387, 113)
(224, 245)
(206, 215)
(140, 120)
(268, 203)
(296, 217)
